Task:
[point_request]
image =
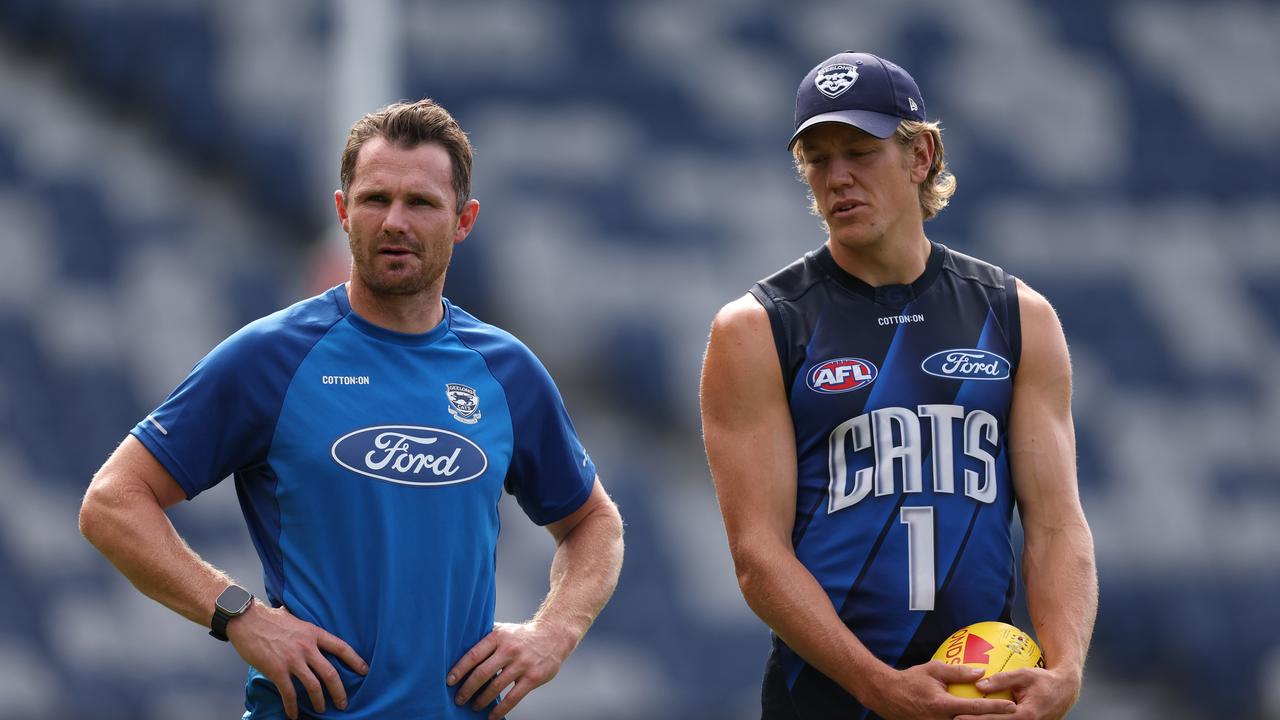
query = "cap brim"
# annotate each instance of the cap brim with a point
(877, 124)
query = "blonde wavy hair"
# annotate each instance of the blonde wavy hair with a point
(939, 184)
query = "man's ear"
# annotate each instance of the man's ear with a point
(922, 150)
(466, 220)
(340, 204)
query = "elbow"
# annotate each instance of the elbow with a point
(90, 517)
(617, 532)
(614, 521)
(606, 529)
(103, 511)
(605, 521)
(612, 534)
(94, 513)
(754, 571)
(748, 583)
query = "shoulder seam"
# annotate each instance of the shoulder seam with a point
(489, 367)
(823, 279)
(293, 374)
(974, 278)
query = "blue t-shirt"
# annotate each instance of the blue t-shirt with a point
(900, 397)
(369, 464)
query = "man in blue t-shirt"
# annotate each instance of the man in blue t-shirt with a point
(371, 431)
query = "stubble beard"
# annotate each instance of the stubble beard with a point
(394, 281)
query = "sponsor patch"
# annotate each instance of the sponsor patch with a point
(410, 455)
(840, 376)
(967, 364)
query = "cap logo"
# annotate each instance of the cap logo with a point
(833, 80)
(912, 103)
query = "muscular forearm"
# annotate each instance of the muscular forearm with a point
(1062, 592)
(584, 574)
(786, 596)
(126, 523)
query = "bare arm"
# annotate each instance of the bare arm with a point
(584, 573)
(750, 441)
(585, 569)
(1058, 559)
(123, 515)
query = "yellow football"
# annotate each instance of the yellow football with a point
(992, 646)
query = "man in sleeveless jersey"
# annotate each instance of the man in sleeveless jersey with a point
(873, 414)
(371, 431)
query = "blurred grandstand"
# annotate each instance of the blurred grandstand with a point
(166, 171)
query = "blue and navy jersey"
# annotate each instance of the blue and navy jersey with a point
(369, 465)
(900, 398)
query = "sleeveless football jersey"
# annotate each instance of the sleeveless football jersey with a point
(369, 464)
(900, 398)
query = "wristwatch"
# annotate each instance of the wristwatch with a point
(232, 603)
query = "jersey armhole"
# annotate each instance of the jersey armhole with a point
(1014, 316)
(779, 327)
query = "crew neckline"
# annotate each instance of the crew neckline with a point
(892, 295)
(387, 334)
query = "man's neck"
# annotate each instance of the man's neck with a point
(414, 314)
(887, 262)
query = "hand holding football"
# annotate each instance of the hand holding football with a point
(993, 646)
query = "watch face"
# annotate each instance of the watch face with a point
(234, 600)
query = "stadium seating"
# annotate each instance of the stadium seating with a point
(159, 191)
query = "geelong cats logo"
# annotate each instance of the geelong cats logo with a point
(464, 403)
(833, 80)
(410, 455)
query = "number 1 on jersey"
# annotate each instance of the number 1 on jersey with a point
(920, 568)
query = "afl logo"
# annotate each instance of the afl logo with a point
(410, 455)
(840, 376)
(966, 364)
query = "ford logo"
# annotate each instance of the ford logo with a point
(966, 364)
(410, 455)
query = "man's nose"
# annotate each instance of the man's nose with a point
(840, 172)
(397, 218)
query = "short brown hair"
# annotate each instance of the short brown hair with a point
(939, 184)
(408, 125)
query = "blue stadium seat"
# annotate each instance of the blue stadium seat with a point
(86, 235)
(10, 173)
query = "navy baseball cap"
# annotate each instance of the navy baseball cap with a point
(858, 89)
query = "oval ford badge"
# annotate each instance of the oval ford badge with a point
(966, 364)
(410, 455)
